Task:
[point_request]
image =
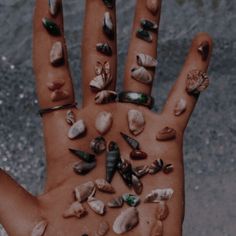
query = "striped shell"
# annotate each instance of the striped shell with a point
(158, 195)
(146, 60)
(142, 75)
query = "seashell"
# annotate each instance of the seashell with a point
(156, 166)
(157, 229)
(131, 199)
(54, 7)
(146, 60)
(125, 170)
(107, 68)
(136, 121)
(84, 156)
(105, 96)
(70, 117)
(83, 168)
(204, 49)
(52, 28)
(76, 209)
(180, 107)
(149, 25)
(104, 48)
(83, 191)
(108, 27)
(126, 221)
(144, 35)
(134, 144)
(137, 184)
(158, 195)
(116, 202)
(109, 3)
(104, 186)
(96, 205)
(56, 84)
(98, 145)
(57, 54)
(141, 171)
(98, 68)
(100, 82)
(77, 129)
(59, 95)
(40, 228)
(152, 6)
(141, 75)
(103, 228)
(162, 211)
(138, 155)
(166, 134)
(103, 122)
(168, 168)
(197, 81)
(112, 160)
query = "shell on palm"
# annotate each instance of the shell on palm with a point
(158, 195)
(136, 121)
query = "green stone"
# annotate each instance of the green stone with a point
(131, 199)
(51, 27)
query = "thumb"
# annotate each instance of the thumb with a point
(18, 209)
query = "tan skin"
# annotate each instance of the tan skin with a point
(20, 211)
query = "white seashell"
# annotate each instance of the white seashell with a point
(83, 191)
(158, 195)
(152, 6)
(100, 82)
(98, 68)
(54, 6)
(103, 122)
(104, 186)
(70, 117)
(126, 221)
(96, 205)
(142, 75)
(75, 210)
(56, 54)
(39, 229)
(146, 60)
(180, 107)
(77, 129)
(59, 95)
(105, 96)
(108, 25)
(103, 228)
(136, 121)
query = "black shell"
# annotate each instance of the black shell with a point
(144, 35)
(134, 144)
(149, 25)
(87, 157)
(104, 48)
(156, 166)
(112, 160)
(109, 3)
(125, 170)
(82, 168)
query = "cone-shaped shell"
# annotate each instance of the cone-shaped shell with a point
(39, 229)
(146, 60)
(87, 157)
(142, 75)
(126, 221)
(134, 144)
(112, 160)
(125, 170)
(83, 191)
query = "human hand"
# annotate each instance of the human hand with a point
(20, 212)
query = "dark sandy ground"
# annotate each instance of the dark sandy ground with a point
(210, 142)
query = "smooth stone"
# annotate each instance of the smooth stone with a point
(141, 171)
(103, 122)
(59, 95)
(134, 144)
(77, 129)
(137, 185)
(146, 60)
(156, 166)
(52, 28)
(141, 75)
(57, 54)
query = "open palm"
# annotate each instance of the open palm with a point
(20, 212)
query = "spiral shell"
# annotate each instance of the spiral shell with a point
(142, 75)
(146, 60)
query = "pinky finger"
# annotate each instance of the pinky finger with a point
(191, 81)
